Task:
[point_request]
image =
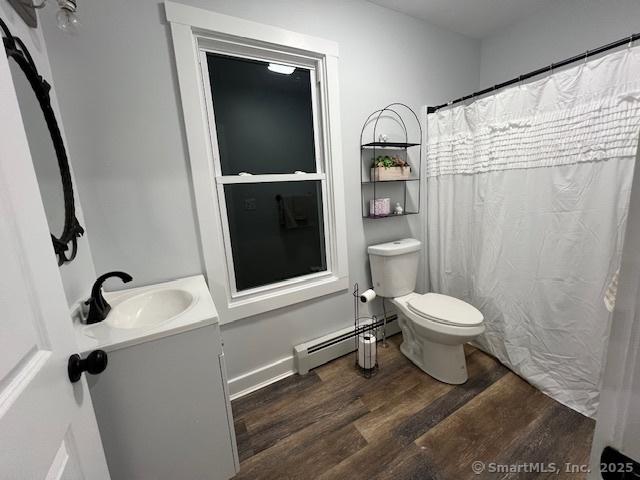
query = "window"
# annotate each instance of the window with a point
(262, 121)
(261, 117)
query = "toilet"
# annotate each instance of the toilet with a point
(434, 327)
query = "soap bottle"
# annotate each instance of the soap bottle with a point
(398, 210)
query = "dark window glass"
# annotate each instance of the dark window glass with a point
(264, 119)
(276, 231)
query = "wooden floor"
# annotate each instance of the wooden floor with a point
(402, 424)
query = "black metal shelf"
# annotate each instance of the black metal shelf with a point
(371, 182)
(397, 193)
(376, 217)
(389, 145)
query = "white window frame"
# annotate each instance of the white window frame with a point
(195, 31)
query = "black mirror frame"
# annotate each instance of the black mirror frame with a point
(16, 49)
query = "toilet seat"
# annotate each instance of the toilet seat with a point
(446, 310)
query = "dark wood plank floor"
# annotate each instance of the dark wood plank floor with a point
(401, 424)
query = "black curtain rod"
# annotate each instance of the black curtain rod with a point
(540, 71)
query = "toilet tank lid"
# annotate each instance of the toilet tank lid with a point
(398, 247)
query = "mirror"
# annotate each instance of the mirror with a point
(46, 146)
(42, 153)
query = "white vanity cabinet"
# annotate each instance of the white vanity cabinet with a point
(162, 403)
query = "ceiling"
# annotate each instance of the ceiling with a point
(473, 18)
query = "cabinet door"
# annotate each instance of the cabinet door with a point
(232, 430)
(162, 409)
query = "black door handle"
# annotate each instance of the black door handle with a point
(95, 363)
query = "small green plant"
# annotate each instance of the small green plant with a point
(387, 162)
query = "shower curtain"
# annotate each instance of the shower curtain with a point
(527, 195)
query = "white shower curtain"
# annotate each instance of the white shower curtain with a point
(527, 193)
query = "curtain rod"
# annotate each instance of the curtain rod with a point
(589, 53)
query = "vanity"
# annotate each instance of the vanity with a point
(162, 403)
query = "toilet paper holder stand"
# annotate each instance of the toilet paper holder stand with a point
(366, 335)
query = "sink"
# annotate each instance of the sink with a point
(149, 309)
(144, 314)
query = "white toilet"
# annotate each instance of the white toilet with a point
(434, 327)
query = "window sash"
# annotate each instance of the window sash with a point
(222, 180)
(231, 273)
(271, 178)
(249, 53)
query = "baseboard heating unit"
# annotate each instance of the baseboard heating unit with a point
(317, 352)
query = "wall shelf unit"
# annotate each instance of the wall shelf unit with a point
(404, 190)
(389, 145)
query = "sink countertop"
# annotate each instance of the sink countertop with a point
(101, 335)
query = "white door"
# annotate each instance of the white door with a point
(47, 425)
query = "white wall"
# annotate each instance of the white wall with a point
(561, 30)
(118, 91)
(78, 275)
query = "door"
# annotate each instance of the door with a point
(47, 426)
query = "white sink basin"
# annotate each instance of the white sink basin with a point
(149, 309)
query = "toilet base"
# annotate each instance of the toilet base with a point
(436, 348)
(445, 363)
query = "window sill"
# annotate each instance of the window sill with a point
(238, 308)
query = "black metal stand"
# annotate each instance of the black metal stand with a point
(364, 327)
(370, 184)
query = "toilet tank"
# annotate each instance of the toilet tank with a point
(394, 267)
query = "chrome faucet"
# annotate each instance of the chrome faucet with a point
(98, 306)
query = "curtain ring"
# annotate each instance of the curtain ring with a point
(586, 56)
(630, 41)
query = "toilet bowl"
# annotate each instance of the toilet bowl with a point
(434, 327)
(436, 344)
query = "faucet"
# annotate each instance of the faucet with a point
(98, 306)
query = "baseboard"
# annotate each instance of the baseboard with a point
(321, 350)
(306, 357)
(261, 377)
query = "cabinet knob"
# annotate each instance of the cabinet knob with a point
(95, 363)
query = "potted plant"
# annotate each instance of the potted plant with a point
(386, 168)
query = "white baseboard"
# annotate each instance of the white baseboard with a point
(317, 352)
(261, 377)
(302, 361)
